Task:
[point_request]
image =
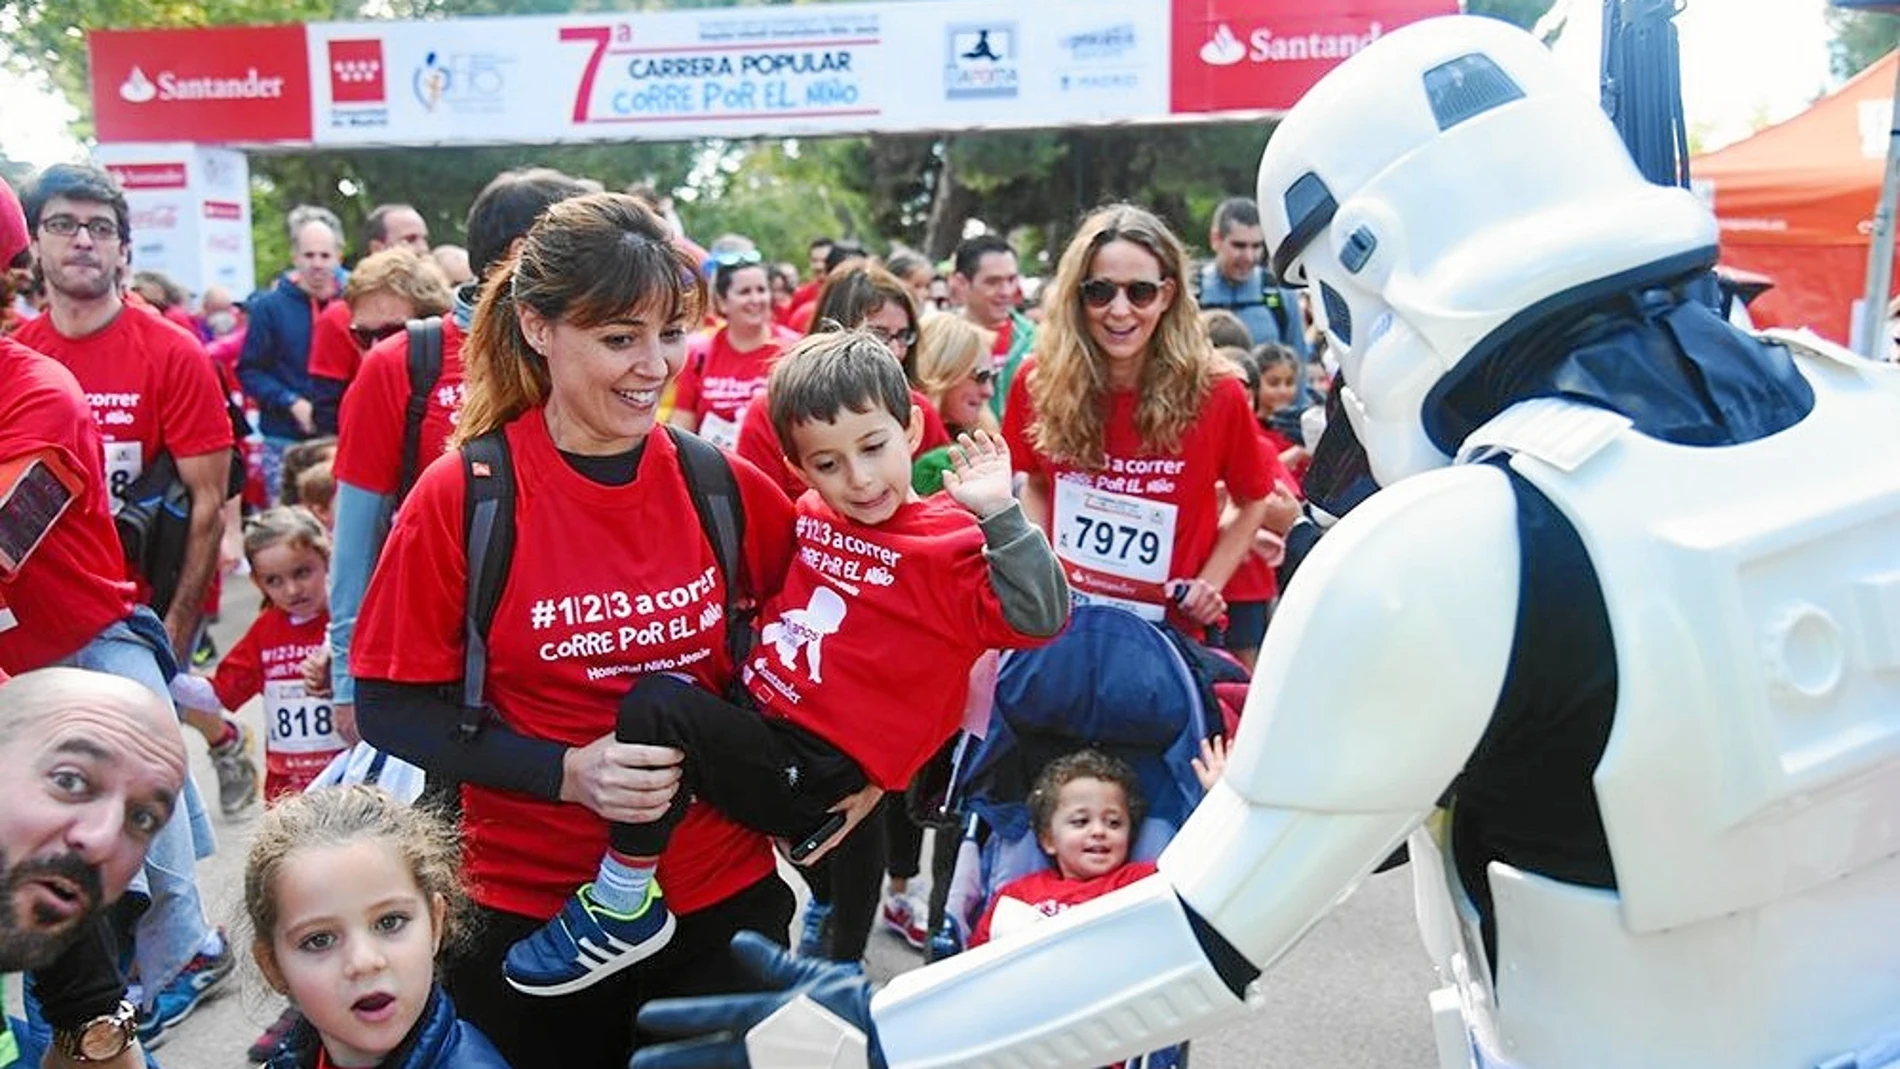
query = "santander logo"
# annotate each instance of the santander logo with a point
(137, 88)
(140, 89)
(1223, 49)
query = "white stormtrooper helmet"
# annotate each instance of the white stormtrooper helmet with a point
(1441, 191)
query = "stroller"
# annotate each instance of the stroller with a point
(1114, 682)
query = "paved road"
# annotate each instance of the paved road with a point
(1351, 996)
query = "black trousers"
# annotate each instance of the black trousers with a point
(593, 1029)
(766, 773)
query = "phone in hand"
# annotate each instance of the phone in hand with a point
(818, 836)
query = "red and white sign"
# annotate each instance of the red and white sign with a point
(226, 84)
(190, 212)
(1262, 55)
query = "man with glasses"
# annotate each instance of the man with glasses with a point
(155, 402)
(989, 284)
(336, 346)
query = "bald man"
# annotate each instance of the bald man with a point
(95, 766)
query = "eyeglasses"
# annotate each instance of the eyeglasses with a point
(736, 257)
(101, 228)
(983, 376)
(369, 336)
(1100, 292)
(906, 337)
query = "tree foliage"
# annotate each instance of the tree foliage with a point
(1860, 39)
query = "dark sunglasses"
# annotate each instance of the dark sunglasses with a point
(1100, 292)
(983, 376)
(369, 336)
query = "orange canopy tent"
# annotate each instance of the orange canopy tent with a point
(1796, 202)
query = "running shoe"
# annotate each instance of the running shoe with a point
(905, 916)
(237, 773)
(585, 943)
(811, 939)
(185, 993)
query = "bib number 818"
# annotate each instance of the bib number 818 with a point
(304, 722)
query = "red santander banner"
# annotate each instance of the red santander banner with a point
(225, 84)
(1262, 55)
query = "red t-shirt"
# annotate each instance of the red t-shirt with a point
(1144, 518)
(1255, 580)
(1049, 893)
(333, 351)
(870, 642)
(607, 583)
(150, 385)
(801, 316)
(74, 584)
(719, 385)
(300, 735)
(374, 414)
(758, 442)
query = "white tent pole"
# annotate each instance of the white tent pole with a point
(1873, 312)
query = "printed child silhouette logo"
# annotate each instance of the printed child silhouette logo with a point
(806, 627)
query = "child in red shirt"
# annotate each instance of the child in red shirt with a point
(863, 660)
(1084, 808)
(289, 554)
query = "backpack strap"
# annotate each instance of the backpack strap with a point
(425, 367)
(715, 493)
(488, 514)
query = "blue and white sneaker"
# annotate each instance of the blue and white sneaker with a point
(185, 993)
(585, 943)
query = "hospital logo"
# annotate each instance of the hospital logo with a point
(982, 61)
(461, 82)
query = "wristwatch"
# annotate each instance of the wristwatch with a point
(101, 1039)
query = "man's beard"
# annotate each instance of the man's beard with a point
(70, 283)
(32, 947)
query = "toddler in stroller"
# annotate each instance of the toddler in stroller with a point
(1142, 709)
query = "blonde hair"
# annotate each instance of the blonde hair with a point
(401, 273)
(1070, 383)
(585, 261)
(331, 817)
(949, 349)
(285, 523)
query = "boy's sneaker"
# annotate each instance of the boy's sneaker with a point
(237, 773)
(274, 1037)
(585, 943)
(905, 916)
(184, 994)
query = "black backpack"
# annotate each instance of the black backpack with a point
(425, 367)
(488, 518)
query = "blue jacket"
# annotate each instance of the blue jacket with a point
(1270, 312)
(275, 365)
(440, 1040)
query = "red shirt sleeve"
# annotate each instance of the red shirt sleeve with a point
(1243, 462)
(758, 445)
(240, 675)
(370, 421)
(410, 627)
(333, 352)
(935, 433)
(692, 377)
(192, 417)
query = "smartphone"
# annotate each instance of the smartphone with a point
(817, 838)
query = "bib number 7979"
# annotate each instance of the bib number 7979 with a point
(1108, 540)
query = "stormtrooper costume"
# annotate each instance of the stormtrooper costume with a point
(1630, 601)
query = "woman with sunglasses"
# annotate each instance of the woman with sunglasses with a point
(719, 381)
(857, 294)
(386, 290)
(958, 375)
(1124, 422)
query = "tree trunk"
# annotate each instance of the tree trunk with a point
(949, 207)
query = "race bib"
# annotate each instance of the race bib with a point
(125, 462)
(721, 432)
(298, 723)
(1115, 548)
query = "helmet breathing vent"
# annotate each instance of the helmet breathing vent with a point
(1467, 87)
(1338, 314)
